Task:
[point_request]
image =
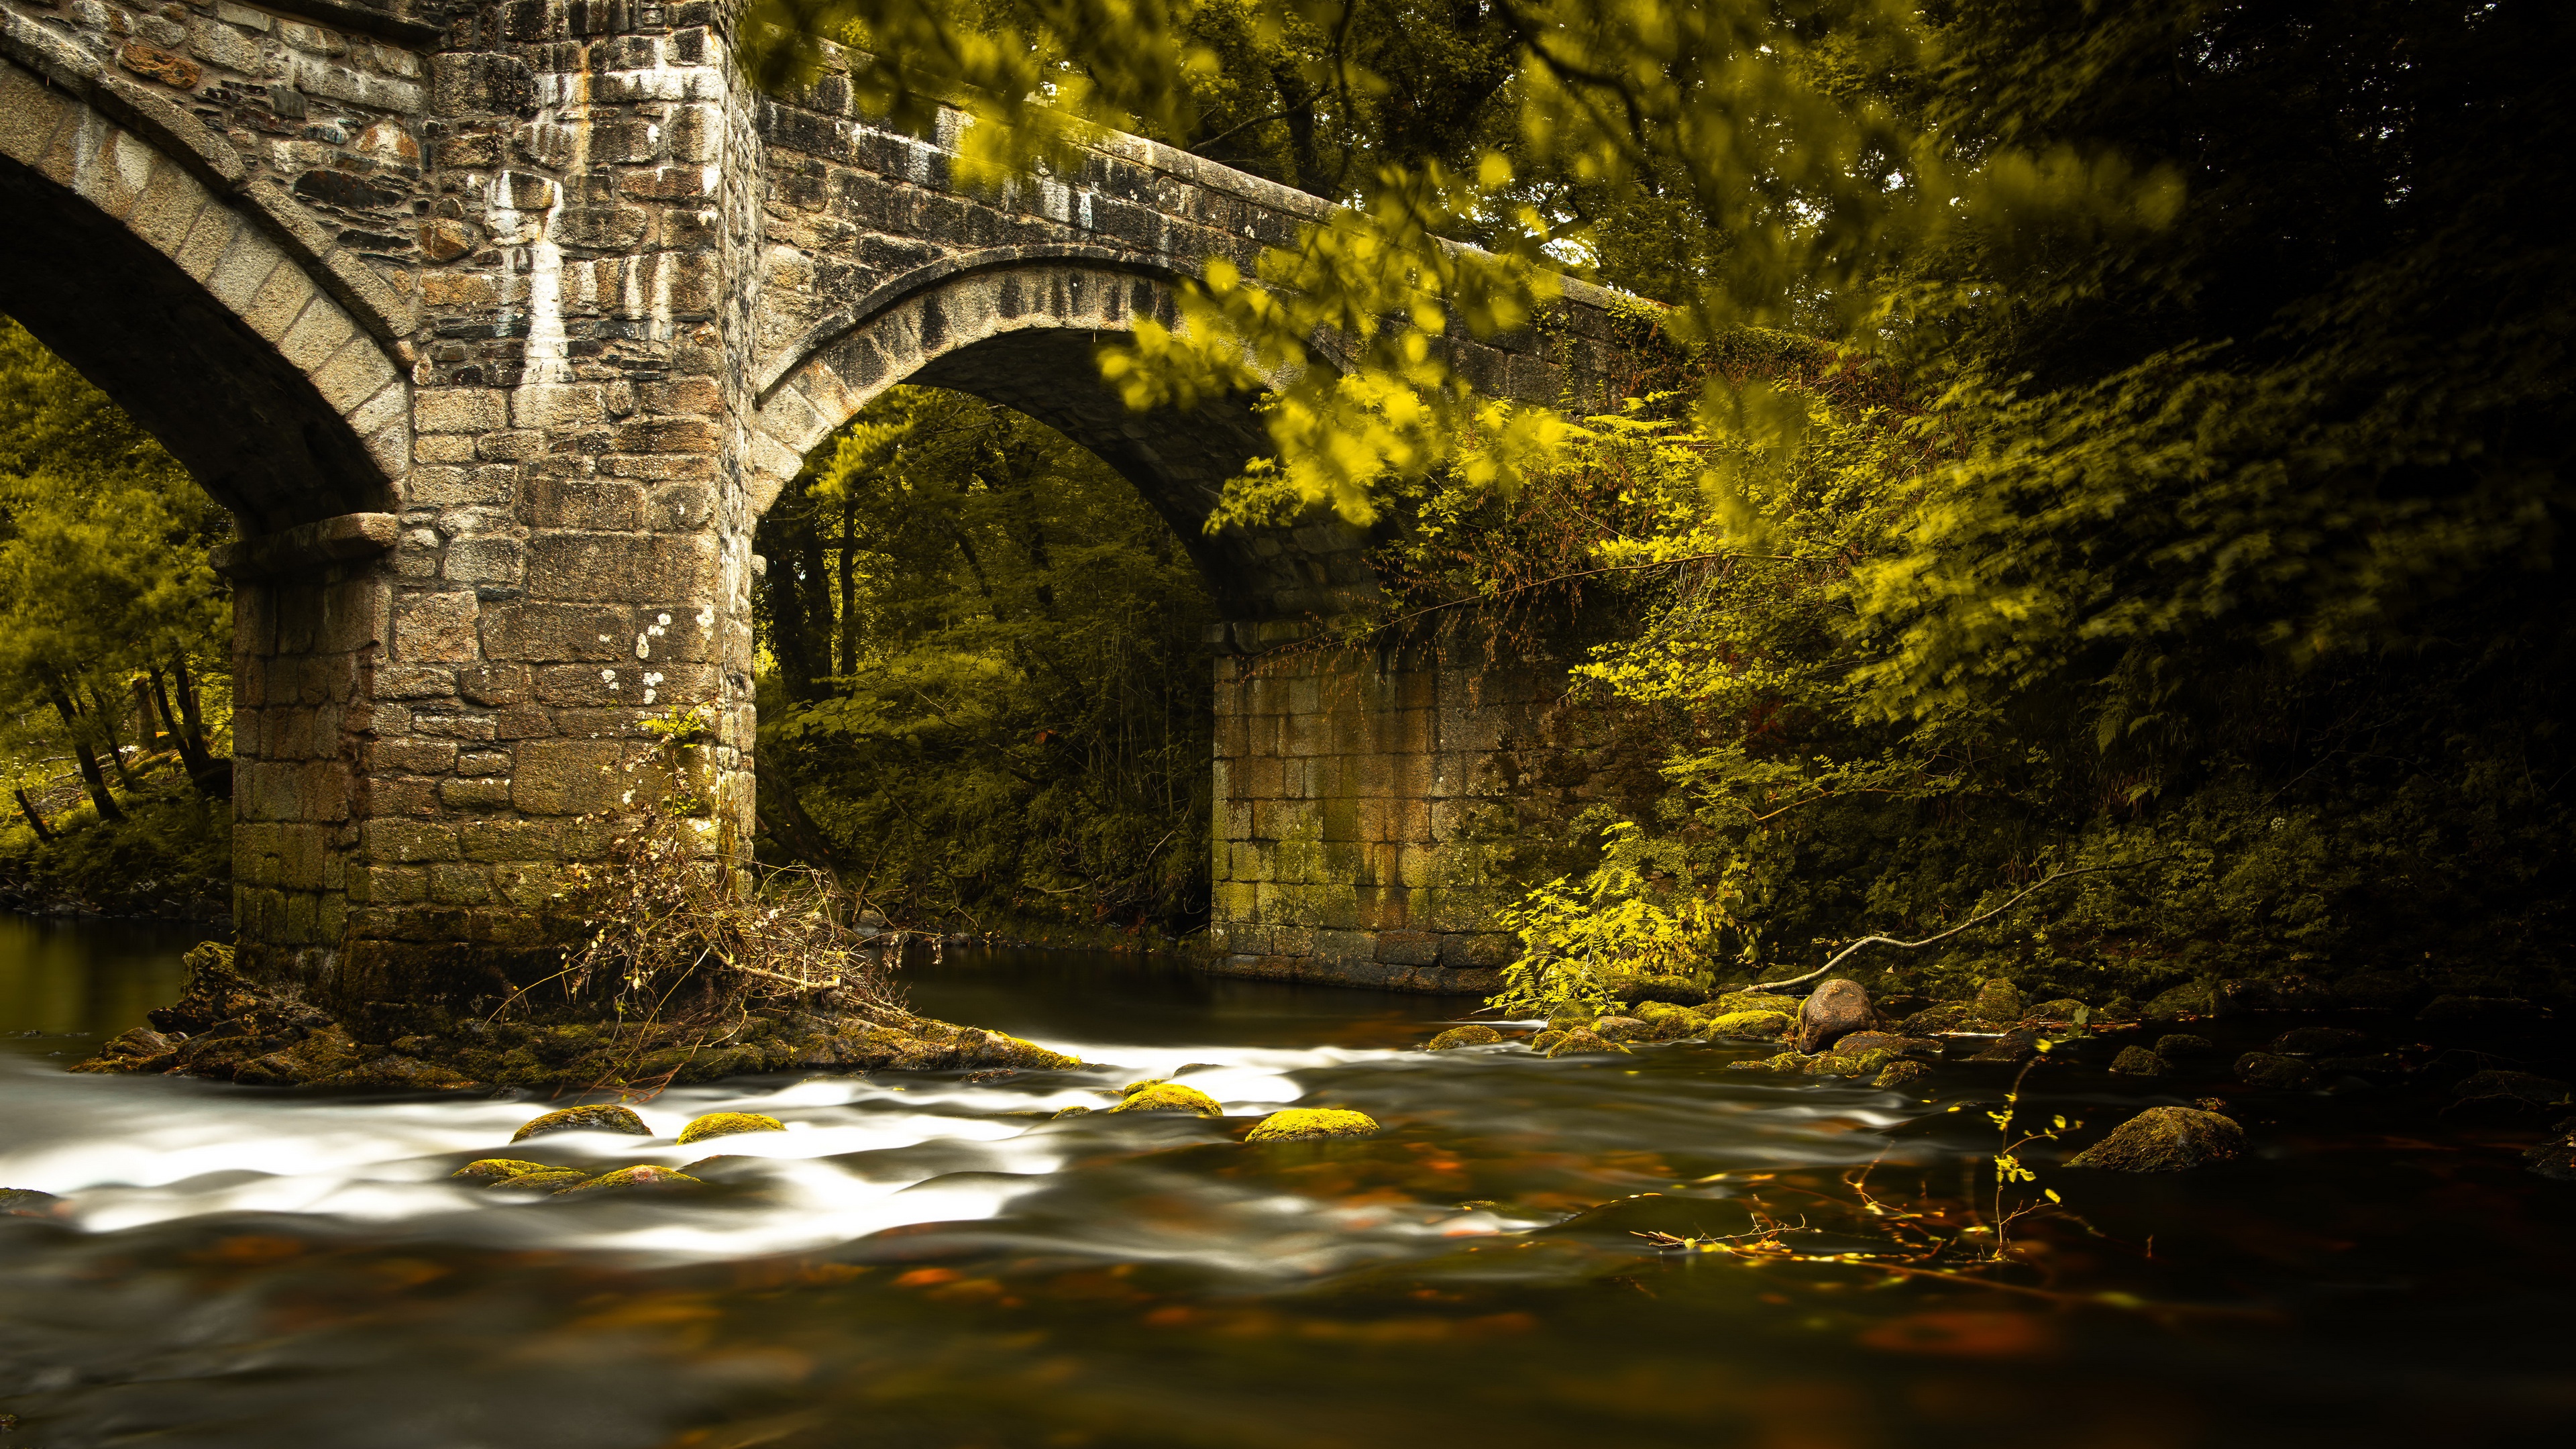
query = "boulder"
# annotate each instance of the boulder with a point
(540, 1183)
(1898, 1074)
(139, 1050)
(606, 1118)
(1637, 987)
(1310, 1124)
(1474, 1034)
(2184, 1047)
(977, 1048)
(1065, 1112)
(1836, 1010)
(2452, 1067)
(1622, 1028)
(396, 1073)
(1758, 1025)
(2060, 1012)
(641, 1178)
(1170, 1097)
(1573, 1042)
(2013, 1046)
(2301, 993)
(2279, 1073)
(2319, 1041)
(2137, 1061)
(2164, 1139)
(1999, 1000)
(1546, 1040)
(726, 1124)
(1922, 1048)
(1671, 1023)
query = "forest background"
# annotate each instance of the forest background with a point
(2064, 437)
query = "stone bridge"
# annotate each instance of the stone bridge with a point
(496, 325)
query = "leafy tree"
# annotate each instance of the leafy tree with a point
(984, 694)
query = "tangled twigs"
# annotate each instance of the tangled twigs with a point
(1979, 919)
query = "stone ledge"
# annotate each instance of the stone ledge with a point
(308, 547)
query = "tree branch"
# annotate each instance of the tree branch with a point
(2050, 879)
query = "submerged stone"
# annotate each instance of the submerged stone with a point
(726, 1124)
(609, 1118)
(1898, 1074)
(2164, 1139)
(1920, 1047)
(2137, 1061)
(1170, 1097)
(1473, 1034)
(1308, 1124)
(642, 1178)
(2015, 1045)
(27, 1202)
(2284, 1074)
(1836, 1010)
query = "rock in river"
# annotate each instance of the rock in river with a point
(1310, 1124)
(1759, 1025)
(2137, 1061)
(500, 1169)
(1622, 1028)
(26, 1202)
(2182, 1046)
(1472, 1034)
(1837, 1009)
(2555, 1159)
(1579, 1041)
(2164, 1139)
(586, 1119)
(1900, 1074)
(2285, 1074)
(644, 1178)
(1171, 1097)
(726, 1124)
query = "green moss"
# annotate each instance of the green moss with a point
(499, 1169)
(1306, 1124)
(1579, 1041)
(1545, 1040)
(1474, 1034)
(1132, 1088)
(551, 1180)
(2137, 1061)
(606, 1118)
(1735, 1001)
(1171, 1097)
(1072, 1112)
(1760, 1025)
(2164, 1139)
(726, 1124)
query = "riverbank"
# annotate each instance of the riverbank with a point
(169, 859)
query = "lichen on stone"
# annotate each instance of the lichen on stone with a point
(641, 1178)
(727, 1124)
(499, 1169)
(1306, 1124)
(1757, 1025)
(1579, 1041)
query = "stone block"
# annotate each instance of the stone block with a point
(511, 840)
(493, 684)
(437, 627)
(537, 633)
(1409, 948)
(475, 727)
(587, 505)
(409, 757)
(460, 884)
(568, 777)
(406, 842)
(458, 410)
(633, 568)
(500, 561)
(489, 793)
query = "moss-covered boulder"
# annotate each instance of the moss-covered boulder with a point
(1835, 1010)
(1900, 1074)
(1921, 1048)
(995, 1049)
(1310, 1124)
(1622, 1028)
(2137, 1061)
(2061, 1012)
(1752, 1025)
(726, 1124)
(608, 1117)
(1472, 1034)
(2182, 1046)
(1171, 1097)
(1542, 1042)
(1576, 1042)
(1670, 1022)
(2554, 1159)
(139, 1050)
(498, 1169)
(538, 1184)
(1064, 1112)
(1999, 1000)
(2164, 1139)
(1636, 987)
(1735, 1001)
(1132, 1088)
(2279, 1073)
(641, 1178)
(27, 1202)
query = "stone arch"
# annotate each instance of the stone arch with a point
(1019, 326)
(140, 250)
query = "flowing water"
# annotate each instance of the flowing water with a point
(931, 1262)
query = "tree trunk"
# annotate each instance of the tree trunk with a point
(192, 750)
(783, 816)
(791, 637)
(115, 752)
(91, 775)
(34, 819)
(849, 620)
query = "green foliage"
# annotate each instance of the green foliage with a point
(171, 855)
(984, 684)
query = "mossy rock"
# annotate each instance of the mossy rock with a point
(1473, 1034)
(726, 1124)
(2280, 1073)
(1898, 1074)
(1579, 1041)
(999, 1050)
(2063, 1009)
(1786, 1064)
(499, 1169)
(1312, 1124)
(1758, 1025)
(1622, 1028)
(2137, 1061)
(1546, 1039)
(27, 1202)
(1635, 987)
(642, 1178)
(1571, 1021)
(1071, 1112)
(1735, 1001)
(1171, 1097)
(2182, 1046)
(552, 1180)
(1999, 1000)
(1132, 1088)
(609, 1118)
(2165, 1139)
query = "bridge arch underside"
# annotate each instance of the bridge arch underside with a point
(248, 422)
(1028, 338)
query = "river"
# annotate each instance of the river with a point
(936, 1263)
